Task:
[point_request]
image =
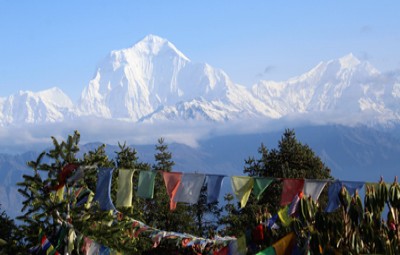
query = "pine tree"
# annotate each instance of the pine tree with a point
(50, 212)
(10, 241)
(291, 159)
(206, 215)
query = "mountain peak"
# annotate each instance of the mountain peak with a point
(349, 61)
(153, 44)
(153, 39)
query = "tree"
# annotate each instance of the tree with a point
(353, 229)
(206, 215)
(291, 159)
(9, 236)
(52, 204)
(58, 202)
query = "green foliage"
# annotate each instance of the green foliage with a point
(10, 242)
(355, 228)
(291, 159)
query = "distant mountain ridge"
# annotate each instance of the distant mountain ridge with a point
(153, 81)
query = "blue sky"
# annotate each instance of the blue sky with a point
(53, 43)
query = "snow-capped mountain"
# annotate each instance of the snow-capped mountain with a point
(51, 105)
(153, 81)
(345, 86)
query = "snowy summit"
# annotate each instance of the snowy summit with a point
(153, 81)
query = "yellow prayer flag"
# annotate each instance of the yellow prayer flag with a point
(125, 188)
(60, 194)
(284, 216)
(285, 245)
(242, 186)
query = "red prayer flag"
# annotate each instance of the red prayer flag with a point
(172, 181)
(223, 251)
(291, 187)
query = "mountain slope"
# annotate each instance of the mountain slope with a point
(154, 82)
(51, 105)
(342, 87)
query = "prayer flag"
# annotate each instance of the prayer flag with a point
(103, 189)
(234, 248)
(87, 242)
(223, 251)
(242, 245)
(269, 251)
(314, 188)
(260, 185)
(60, 194)
(189, 188)
(48, 247)
(125, 188)
(283, 214)
(94, 248)
(291, 187)
(214, 183)
(146, 184)
(272, 222)
(77, 175)
(242, 186)
(295, 204)
(172, 180)
(334, 189)
(104, 250)
(71, 240)
(285, 245)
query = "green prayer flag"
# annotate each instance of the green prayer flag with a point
(146, 184)
(125, 188)
(260, 185)
(269, 251)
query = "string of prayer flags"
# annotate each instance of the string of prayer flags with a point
(103, 189)
(172, 180)
(146, 184)
(314, 188)
(125, 188)
(47, 247)
(214, 183)
(291, 187)
(189, 188)
(242, 186)
(334, 189)
(260, 185)
(84, 196)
